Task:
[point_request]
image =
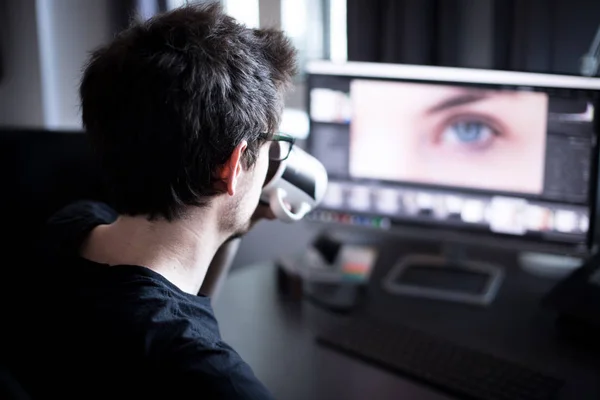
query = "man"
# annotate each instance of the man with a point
(181, 111)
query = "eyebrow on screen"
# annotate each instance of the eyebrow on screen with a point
(457, 101)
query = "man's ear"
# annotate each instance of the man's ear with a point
(229, 172)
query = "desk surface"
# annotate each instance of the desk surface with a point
(276, 337)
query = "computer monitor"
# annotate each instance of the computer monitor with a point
(501, 156)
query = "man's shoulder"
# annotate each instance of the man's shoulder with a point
(131, 312)
(184, 342)
(183, 339)
(157, 303)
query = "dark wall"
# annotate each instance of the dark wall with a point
(576, 24)
(2, 18)
(522, 35)
(543, 35)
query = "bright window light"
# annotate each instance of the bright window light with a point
(245, 11)
(338, 33)
(294, 18)
(172, 4)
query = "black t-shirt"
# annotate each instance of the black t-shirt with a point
(94, 331)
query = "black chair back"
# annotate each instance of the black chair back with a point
(41, 171)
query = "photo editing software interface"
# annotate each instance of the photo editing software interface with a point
(502, 159)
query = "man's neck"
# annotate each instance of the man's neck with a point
(181, 251)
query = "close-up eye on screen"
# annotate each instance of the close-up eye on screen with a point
(448, 135)
(487, 152)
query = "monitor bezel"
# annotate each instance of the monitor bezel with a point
(470, 77)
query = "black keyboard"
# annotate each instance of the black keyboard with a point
(435, 361)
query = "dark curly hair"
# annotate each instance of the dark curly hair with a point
(167, 101)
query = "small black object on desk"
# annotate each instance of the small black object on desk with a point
(576, 300)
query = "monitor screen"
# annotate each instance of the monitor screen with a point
(441, 147)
